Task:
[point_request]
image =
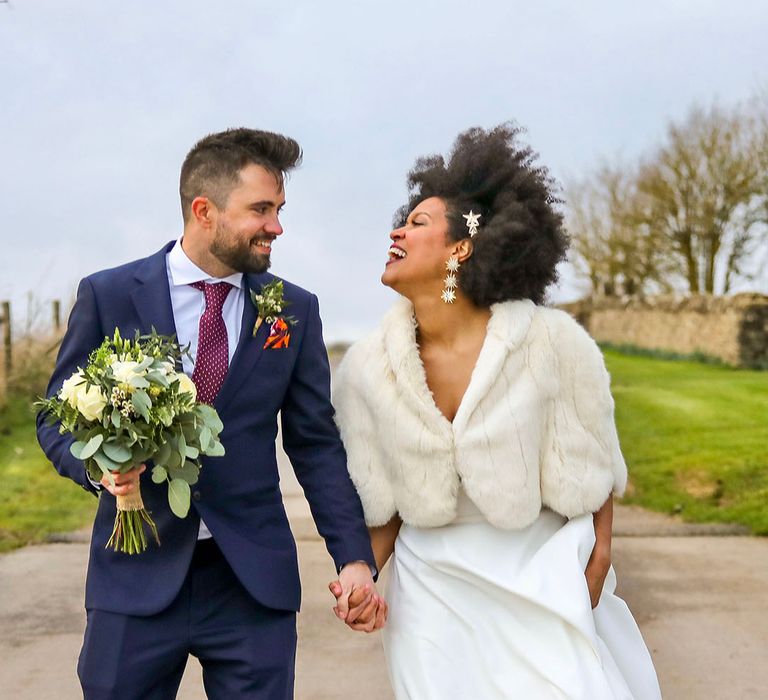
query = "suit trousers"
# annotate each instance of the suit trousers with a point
(246, 650)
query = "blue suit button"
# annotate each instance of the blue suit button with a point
(196, 495)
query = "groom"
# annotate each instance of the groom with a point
(224, 585)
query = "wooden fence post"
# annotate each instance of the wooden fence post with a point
(56, 315)
(5, 321)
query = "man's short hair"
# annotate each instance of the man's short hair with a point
(211, 169)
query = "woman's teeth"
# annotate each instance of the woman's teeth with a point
(396, 252)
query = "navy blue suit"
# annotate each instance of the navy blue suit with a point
(237, 495)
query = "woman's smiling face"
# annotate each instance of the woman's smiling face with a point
(419, 249)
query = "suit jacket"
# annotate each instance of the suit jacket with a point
(238, 495)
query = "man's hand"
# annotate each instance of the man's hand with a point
(597, 569)
(125, 483)
(357, 602)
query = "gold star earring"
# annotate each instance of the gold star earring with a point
(451, 280)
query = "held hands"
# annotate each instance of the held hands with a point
(125, 483)
(357, 602)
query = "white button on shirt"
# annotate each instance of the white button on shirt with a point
(188, 305)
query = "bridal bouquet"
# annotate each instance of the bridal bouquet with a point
(128, 406)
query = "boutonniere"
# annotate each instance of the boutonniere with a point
(270, 305)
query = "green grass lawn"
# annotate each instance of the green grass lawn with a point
(695, 438)
(34, 500)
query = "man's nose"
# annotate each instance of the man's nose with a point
(274, 227)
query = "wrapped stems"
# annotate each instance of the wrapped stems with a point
(128, 534)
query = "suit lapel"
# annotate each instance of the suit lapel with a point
(152, 295)
(152, 299)
(249, 348)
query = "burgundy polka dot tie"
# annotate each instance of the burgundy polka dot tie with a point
(212, 358)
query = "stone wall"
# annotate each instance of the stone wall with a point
(733, 329)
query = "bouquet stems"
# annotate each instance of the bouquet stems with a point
(128, 534)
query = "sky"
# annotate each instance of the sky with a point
(101, 100)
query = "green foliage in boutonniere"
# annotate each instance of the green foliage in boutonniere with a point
(270, 304)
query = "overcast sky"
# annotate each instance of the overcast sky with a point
(102, 99)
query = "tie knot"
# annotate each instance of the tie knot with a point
(215, 294)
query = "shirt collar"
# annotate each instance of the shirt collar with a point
(184, 271)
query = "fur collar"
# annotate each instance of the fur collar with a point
(507, 328)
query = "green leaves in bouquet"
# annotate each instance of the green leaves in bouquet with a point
(194, 433)
(209, 433)
(150, 414)
(142, 403)
(179, 497)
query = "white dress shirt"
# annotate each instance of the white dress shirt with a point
(188, 305)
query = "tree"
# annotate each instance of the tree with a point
(614, 244)
(704, 193)
(693, 213)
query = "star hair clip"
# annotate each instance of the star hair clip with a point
(472, 222)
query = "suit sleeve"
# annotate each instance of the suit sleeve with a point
(312, 442)
(83, 334)
(582, 464)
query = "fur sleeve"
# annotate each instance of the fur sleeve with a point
(355, 419)
(582, 461)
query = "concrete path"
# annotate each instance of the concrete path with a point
(699, 593)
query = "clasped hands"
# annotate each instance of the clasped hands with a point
(358, 603)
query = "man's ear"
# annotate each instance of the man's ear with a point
(463, 249)
(203, 211)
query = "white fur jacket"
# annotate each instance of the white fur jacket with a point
(535, 426)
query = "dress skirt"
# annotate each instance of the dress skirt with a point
(479, 613)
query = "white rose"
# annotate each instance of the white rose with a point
(91, 402)
(186, 386)
(71, 388)
(124, 371)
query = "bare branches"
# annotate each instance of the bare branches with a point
(694, 210)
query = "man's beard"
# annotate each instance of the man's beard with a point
(236, 253)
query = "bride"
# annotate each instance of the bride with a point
(480, 436)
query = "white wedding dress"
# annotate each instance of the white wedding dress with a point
(479, 613)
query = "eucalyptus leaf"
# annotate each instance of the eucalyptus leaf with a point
(116, 451)
(211, 418)
(158, 378)
(215, 449)
(182, 447)
(205, 438)
(93, 444)
(142, 403)
(190, 472)
(163, 452)
(179, 497)
(116, 417)
(106, 465)
(192, 452)
(138, 382)
(159, 474)
(94, 471)
(174, 460)
(76, 448)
